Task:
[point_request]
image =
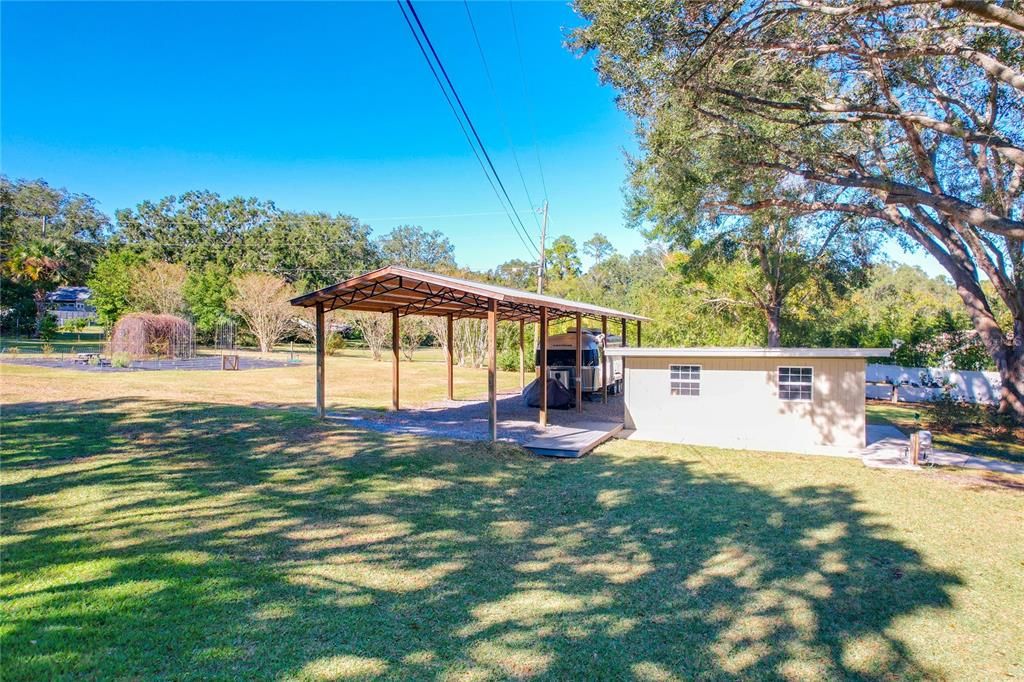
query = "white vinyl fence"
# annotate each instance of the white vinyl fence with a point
(921, 384)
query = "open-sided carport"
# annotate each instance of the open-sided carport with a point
(401, 291)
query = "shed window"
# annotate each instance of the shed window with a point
(796, 383)
(684, 379)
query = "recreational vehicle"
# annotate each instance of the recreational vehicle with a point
(562, 362)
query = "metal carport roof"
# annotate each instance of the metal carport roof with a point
(416, 292)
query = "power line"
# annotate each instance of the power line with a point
(524, 233)
(501, 113)
(442, 215)
(526, 95)
(465, 133)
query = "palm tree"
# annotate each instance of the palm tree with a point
(32, 264)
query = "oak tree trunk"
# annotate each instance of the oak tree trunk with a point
(1010, 363)
(772, 313)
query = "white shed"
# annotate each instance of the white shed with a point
(808, 400)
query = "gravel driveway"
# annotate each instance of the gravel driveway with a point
(467, 419)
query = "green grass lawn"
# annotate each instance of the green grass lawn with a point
(90, 340)
(157, 538)
(969, 440)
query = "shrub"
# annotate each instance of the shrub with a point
(999, 425)
(48, 327)
(508, 360)
(47, 348)
(947, 413)
(335, 343)
(146, 334)
(13, 350)
(121, 359)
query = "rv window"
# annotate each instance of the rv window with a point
(796, 383)
(567, 358)
(684, 380)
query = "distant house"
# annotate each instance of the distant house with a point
(70, 303)
(783, 399)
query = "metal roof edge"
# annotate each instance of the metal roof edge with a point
(495, 291)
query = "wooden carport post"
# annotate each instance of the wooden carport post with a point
(395, 343)
(543, 376)
(579, 362)
(449, 356)
(321, 408)
(638, 344)
(604, 359)
(522, 355)
(492, 368)
(624, 344)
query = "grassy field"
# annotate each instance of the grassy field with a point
(156, 525)
(972, 441)
(90, 340)
(353, 379)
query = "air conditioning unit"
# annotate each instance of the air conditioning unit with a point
(564, 376)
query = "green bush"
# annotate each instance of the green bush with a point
(121, 360)
(999, 425)
(47, 348)
(335, 343)
(508, 359)
(13, 350)
(948, 413)
(48, 327)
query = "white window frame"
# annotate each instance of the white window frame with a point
(795, 384)
(689, 382)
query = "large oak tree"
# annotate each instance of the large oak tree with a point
(908, 113)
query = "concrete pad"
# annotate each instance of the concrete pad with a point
(572, 441)
(887, 446)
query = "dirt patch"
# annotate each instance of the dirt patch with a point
(981, 480)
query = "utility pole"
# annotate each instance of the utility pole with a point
(543, 249)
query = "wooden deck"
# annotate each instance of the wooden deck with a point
(573, 441)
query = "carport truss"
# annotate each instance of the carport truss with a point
(401, 291)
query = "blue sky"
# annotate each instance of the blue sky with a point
(317, 106)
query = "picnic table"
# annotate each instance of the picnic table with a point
(86, 358)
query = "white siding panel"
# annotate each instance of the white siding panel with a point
(739, 405)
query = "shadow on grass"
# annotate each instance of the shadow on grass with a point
(147, 538)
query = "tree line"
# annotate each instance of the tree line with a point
(241, 260)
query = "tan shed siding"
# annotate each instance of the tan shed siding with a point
(739, 405)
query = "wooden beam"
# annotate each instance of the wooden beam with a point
(396, 342)
(604, 359)
(321, 407)
(449, 356)
(543, 332)
(579, 362)
(624, 344)
(638, 342)
(492, 369)
(522, 354)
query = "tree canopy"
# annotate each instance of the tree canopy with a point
(905, 114)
